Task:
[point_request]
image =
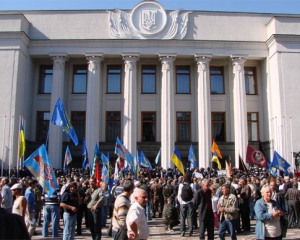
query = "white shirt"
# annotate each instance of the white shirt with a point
(179, 195)
(137, 214)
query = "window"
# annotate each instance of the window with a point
(78, 122)
(217, 80)
(42, 125)
(218, 126)
(183, 79)
(45, 79)
(114, 79)
(183, 120)
(148, 126)
(79, 79)
(252, 120)
(113, 126)
(148, 79)
(250, 81)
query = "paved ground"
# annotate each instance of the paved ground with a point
(157, 232)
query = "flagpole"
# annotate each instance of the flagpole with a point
(24, 129)
(272, 135)
(3, 140)
(18, 159)
(46, 144)
(283, 138)
(275, 129)
(292, 148)
(10, 146)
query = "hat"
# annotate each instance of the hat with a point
(16, 186)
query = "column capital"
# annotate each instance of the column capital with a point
(237, 63)
(167, 56)
(62, 56)
(94, 56)
(202, 57)
(202, 62)
(59, 60)
(94, 60)
(133, 56)
(130, 61)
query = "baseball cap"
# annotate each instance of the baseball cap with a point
(16, 186)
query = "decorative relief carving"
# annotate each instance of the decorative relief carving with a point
(148, 20)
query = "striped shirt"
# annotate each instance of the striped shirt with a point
(292, 194)
(121, 207)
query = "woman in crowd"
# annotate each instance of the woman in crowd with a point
(214, 201)
(268, 214)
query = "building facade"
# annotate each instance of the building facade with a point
(152, 77)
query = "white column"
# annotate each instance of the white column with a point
(204, 111)
(167, 110)
(130, 103)
(240, 109)
(93, 102)
(57, 91)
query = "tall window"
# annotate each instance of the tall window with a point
(218, 126)
(42, 125)
(114, 78)
(253, 133)
(183, 120)
(148, 79)
(217, 80)
(250, 81)
(183, 79)
(113, 126)
(148, 126)
(79, 79)
(78, 122)
(45, 79)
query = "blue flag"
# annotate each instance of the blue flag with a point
(85, 155)
(279, 162)
(144, 161)
(104, 176)
(104, 159)
(68, 158)
(192, 158)
(39, 165)
(96, 158)
(60, 118)
(157, 156)
(122, 152)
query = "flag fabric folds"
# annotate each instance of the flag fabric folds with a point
(96, 158)
(144, 161)
(60, 118)
(242, 165)
(157, 156)
(216, 160)
(68, 158)
(215, 148)
(39, 166)
(116, 173)
(229, 172)
(122, 152)
(105, 176)
(176, 159)
(85, 155)
(192, 158)
(279, 162)
(21, 141)
(256, 157)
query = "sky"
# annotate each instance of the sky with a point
(258, 6)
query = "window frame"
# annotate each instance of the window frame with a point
(216, 121)
(190, 126)
(75, 121)
(154, 121)
(254, 77)
(253, 121)
(75, 67)
(106, 124)
(221, 68)
(107, 77)
(142, 78)
(42, 84)
(183, 67)
(38, 121)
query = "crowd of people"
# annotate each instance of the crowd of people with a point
(188, 202)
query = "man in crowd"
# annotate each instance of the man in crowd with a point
(227, 208)
(136, 220)
(7, 198)
(185, 197)
(293, 196)
(170, 216)
(202, 201)
(121, 207)
(243, 197)
(94, 200)
(30, 197)
(157, 198)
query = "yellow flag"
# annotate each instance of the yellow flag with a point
(176, 159)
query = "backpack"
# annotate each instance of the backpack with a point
(186, 193)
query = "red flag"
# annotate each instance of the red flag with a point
(255, 157)
(97, 174)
